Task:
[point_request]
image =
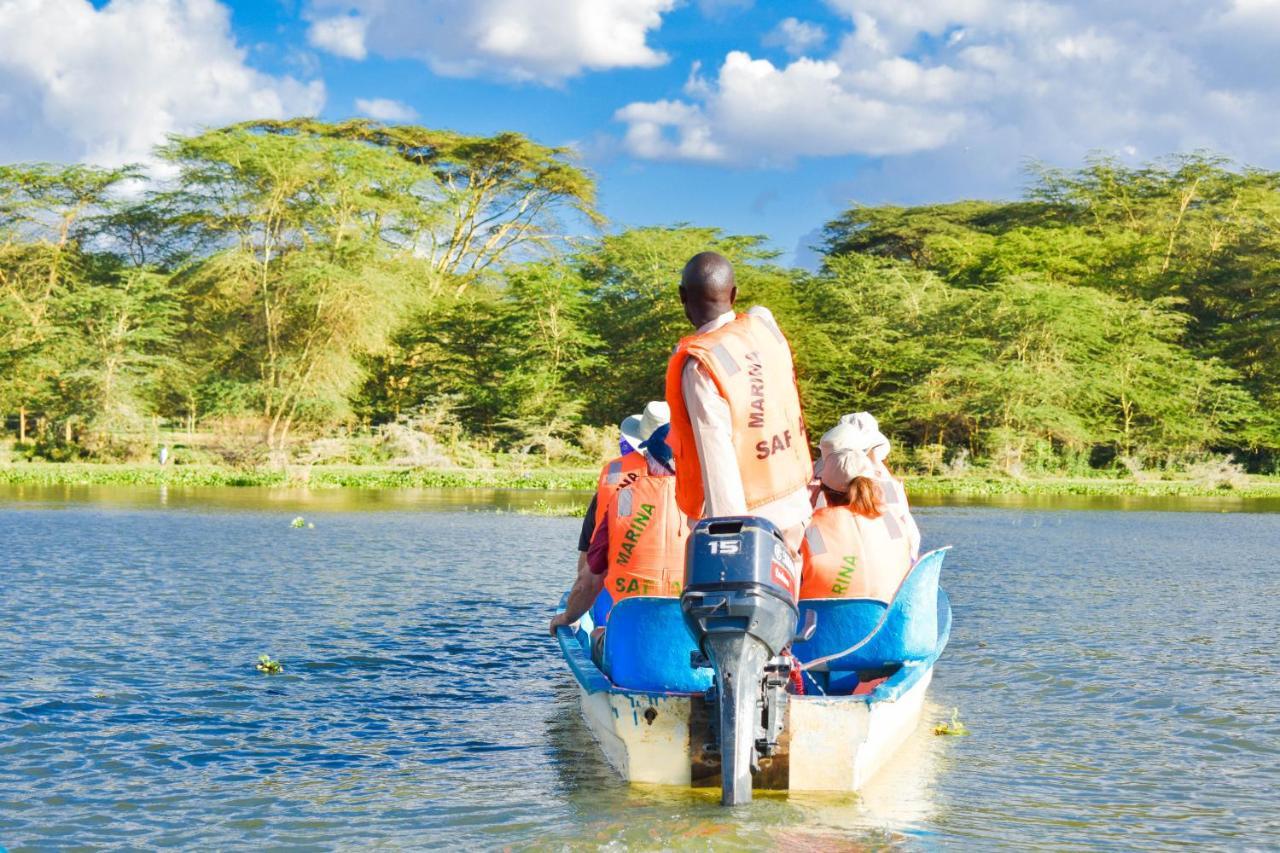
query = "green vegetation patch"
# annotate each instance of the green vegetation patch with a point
(267, 666)
(90, 474)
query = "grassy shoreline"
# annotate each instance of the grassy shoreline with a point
(579, 478)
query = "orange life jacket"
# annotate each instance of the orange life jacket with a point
(647, 535)
(847, 555)
(616, 474)
(750, 362)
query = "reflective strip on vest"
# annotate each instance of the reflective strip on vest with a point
(727, 361)
(777, 333)
(624, 503)
(813, 536)
(615, 473)
(891, 524)
(888, 494)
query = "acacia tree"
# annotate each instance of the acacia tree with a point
(480, 201)
(115, 340)
(298, 284)
(49, 214)
(553, 354)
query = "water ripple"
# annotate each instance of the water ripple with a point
(1116, 670)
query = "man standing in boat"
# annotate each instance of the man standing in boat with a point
(736, 426)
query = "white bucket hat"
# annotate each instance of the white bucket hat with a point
(638, 428)
(858, 431)
(842, 466)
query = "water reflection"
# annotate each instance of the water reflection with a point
(511, 500)
(232, 498)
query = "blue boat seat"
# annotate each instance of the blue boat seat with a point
(909, 632)
(647, 646)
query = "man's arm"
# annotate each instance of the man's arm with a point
(713, 435)
(581, 597)
(592, 567)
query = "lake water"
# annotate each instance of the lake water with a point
(1117, 671)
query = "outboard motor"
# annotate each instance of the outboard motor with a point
(739, 602)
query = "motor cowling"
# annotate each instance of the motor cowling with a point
(740, 579)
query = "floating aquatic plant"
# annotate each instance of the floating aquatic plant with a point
(544, 507)
(953, 727)
(298, 522)
(269, 666)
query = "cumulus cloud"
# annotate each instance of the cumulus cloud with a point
(990, 83)
(385, 109)
(105, 85)
(796, 37)
(523, 40)
(757, 112)
(341, 35)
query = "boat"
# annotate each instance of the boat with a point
(691, 691)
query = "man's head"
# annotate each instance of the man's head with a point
(707, 288)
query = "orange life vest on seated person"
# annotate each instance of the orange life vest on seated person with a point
(647, 535)
(847, 555)
(750, 362)
(616, 474)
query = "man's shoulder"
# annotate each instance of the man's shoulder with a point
(762, 313)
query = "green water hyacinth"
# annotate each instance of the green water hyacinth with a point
(268, 666)
(953, 726)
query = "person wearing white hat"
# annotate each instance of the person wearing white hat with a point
(852, 547)
(861, 431)
(618, 473)
(638, 545)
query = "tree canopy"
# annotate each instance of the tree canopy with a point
(308, 277)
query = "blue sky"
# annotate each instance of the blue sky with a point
(756, 117)
(785, 203)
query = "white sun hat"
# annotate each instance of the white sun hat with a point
(842, 466)
(858, 431)
(638, 428)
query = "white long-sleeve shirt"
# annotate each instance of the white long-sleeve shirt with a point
(713, 434)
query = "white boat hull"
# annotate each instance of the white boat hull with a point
(838, 743)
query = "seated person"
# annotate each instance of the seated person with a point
(618, 473)
(860, 431)
(852, 548)
(638, 545)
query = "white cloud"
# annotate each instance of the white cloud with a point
(105, 85)
(523, 40)
(341, 35)
(647, 131)
(796, 37)
(756, 112)
(385, 109)
(981, 85)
